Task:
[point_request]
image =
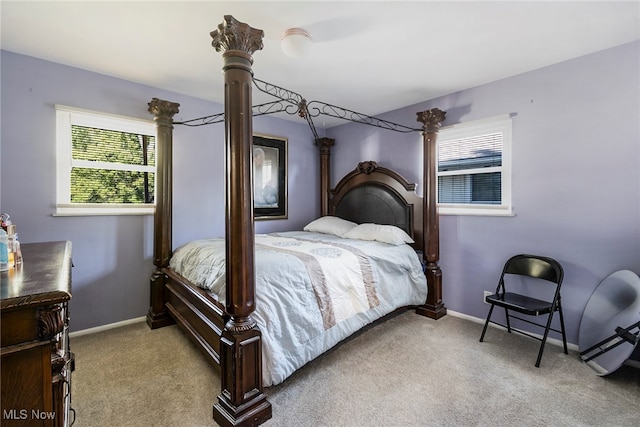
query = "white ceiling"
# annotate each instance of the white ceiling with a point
(368, 56)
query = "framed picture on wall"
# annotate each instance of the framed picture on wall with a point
(269, 177)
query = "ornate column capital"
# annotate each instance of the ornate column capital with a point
(325, 144)
(431, 119)
(235, 35)
(163, 109)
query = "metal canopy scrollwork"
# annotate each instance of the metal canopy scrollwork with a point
(292, 103)
(202, 121)
(287, 101)
(278, 92)
(317, 108)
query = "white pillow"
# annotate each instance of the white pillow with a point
(330, 225)
(381, 233)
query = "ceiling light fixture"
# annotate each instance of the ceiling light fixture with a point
(296, 42)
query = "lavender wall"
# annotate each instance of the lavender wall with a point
(576, 176)
(113, 254)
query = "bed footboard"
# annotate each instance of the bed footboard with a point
(197, 314)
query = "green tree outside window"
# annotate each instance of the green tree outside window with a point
(108, 166)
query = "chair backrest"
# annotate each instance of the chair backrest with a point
(535, 266)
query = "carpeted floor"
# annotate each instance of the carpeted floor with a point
(440, 376)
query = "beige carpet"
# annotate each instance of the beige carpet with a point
(441, 376)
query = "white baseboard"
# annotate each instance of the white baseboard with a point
(107, 327)
(553, 341)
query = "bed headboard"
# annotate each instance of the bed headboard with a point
(372, 193)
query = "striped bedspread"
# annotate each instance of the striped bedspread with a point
(340, 275)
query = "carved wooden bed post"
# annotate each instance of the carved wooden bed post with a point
(241, 401)
(325, 145)
(434, 307)
(163, 112)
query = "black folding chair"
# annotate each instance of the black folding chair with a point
(545, 270)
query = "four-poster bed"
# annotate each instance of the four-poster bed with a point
(227, 332)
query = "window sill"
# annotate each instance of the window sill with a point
(88, 209)
(475, 210)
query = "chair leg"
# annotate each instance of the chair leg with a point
(506, 315)
(486, 323)
(564, 336)
(544, 338)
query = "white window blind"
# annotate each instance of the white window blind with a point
(474, 167)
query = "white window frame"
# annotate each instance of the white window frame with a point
(501, 123)
(65, 118)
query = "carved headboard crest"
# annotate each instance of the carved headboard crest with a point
(367, 167)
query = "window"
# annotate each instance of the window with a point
(105, 164)
(474, 168)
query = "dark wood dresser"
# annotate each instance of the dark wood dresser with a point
(36, 358)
